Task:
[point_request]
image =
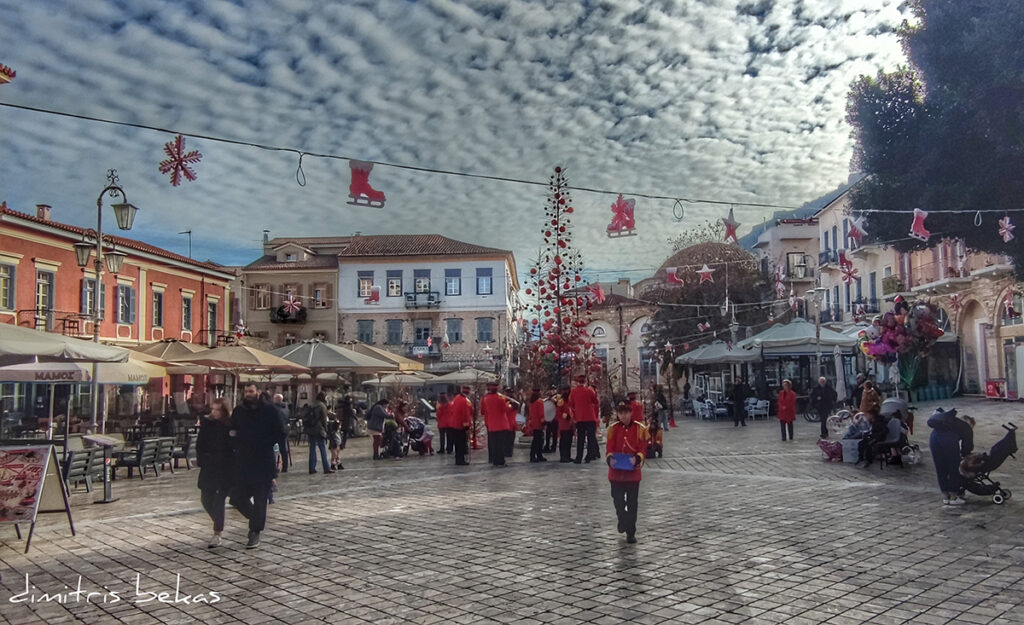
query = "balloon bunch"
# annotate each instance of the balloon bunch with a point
(905, 330)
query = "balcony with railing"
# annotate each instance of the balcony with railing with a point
(425, 349)
(428, 299)
(68, 323)
(828, 259)
(830, 314)
(867, 306)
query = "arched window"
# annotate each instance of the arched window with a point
(598, 332)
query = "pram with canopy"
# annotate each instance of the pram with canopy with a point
(975, 468)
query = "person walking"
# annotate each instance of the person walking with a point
(284, 446)
(550, 429)
(857, 392)
(740, 392)
(823, 399)
(255, 427)
(583, 408)
(495, 409)
(375, 424)
(625, 450)
(565, 424)
(513, 403)
(316, 432)
(215, 457)
(348, 419)
(951, 439)
(787, 409)
(537, 426)
(460, 420)
(442, 408)
(870, 400)
(661, 407)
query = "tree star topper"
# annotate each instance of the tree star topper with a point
(178, 162)
(705, 274)
(1006, 229)
(731, 225)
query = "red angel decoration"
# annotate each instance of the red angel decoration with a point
(705, 274)
(672, 276)
(178, 162)
(623, 224)
(917, 229)
(731, 225)
(292, 304)
(597, 293)
(1006, 229)
(360, 191)
(1011, 312)
(857, 231)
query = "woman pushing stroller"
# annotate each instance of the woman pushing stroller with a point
(952, 438)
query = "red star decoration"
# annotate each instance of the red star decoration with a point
(705, 274)
(178, 162)
(731, 225)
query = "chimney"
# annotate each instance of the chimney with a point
(43, 211)
(266, 236)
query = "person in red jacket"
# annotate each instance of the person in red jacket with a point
(565, 424)
(511, 413)
(460, 419)
(584, 408)
(625, 449)
(446, 443)
(787, 408)
(494, 408)
(636, 406)
(536, 425)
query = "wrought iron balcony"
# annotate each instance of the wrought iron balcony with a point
(827, 257)
(429, 299)
(281, 315)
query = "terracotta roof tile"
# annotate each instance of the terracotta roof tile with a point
(413, 245)
(132, 244)
(327, 261)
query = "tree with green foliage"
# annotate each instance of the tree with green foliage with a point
(946, 132)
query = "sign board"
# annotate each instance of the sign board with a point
(30, 484)
(995, 388)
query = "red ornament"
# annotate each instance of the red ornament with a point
(178, 161)
(705, 274)
(917, 229)
(623, 223)
(359, 191)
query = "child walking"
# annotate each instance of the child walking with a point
(626, 449)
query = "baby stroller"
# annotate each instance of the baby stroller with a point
(394, 441)
(976, 467)
(419, 436)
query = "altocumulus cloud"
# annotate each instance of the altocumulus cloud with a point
(733, 100)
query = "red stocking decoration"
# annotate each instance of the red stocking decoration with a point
(360, 191)
(917, 229)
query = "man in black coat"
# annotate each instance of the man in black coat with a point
(283, 445)
(823, 399)
(255, 428)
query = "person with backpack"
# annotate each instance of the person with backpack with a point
(315, 424)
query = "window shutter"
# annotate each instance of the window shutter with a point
(83, 307)
(328, 295)
(252, 296)
(131, 305)
(103, 300)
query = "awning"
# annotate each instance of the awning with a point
(122, 373)
(24, 345)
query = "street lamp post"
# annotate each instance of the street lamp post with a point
(124, 213)
(671, 381)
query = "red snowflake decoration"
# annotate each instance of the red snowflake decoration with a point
(292, 305)
(1006, 229)
(849, 273)
(178, 162)
(596, 293)
(955, 301)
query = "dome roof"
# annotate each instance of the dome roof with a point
(710, 252)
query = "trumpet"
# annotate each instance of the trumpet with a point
(513, 402)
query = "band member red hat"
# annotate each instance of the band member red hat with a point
(492, 386)
(467, 389)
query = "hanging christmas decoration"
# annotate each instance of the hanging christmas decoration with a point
(849, 273)
(792, 300)
(671, 276)
(623, 224)
(178, 162)
(956, 302)
(292, 304)
(1011, 312)
(705, 274)
(731, 226)
(780, 277)
(703, 326)
(1006, 229)
(596, 293)
(6, 74)
(859, 312)
(360, 191)
(844, 260)
(917, 229)
(240, 330)
(857, 232)
(446, 343)
(374, 298)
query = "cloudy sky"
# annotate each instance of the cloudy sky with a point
(729, 100)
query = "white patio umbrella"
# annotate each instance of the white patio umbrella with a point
(25, 345)
(798, 337)
(837, 355)
(468, 375)
(401, 379)
(721, 352)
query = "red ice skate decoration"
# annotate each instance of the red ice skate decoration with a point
(857, 232)
(6, 74)
(705, 274)
(374, 295)
(360, 191)
(597, 293)
(917, 229)
(178, 162)
(1006, 229)
(672, 276)
(731, 225)
(623, 224)
(703, 326)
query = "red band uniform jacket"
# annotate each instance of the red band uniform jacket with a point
(627, 439)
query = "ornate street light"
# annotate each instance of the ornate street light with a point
(114, 260)
(83, 250)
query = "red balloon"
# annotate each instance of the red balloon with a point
(566, 320)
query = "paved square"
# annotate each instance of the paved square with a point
(735, 527)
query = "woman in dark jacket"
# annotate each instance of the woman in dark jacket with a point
(216, 459)
(952, 438)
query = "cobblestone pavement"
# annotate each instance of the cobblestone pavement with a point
(735, 527)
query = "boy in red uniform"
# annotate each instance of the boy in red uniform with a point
(584, 408)
(565, 424)
(626, 445)
(460, 419)
(494, 408)
(445, 444)
(535, 423)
